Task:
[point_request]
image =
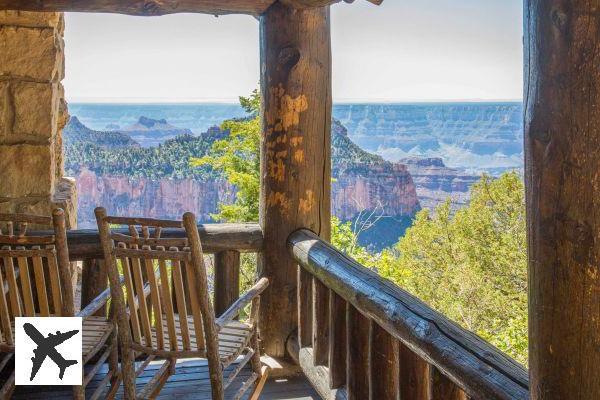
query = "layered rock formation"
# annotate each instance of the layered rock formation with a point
(483, 136)
(32, 114)
(164, 198)
(365, 181)
(435, 182)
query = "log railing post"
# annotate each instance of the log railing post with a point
(295, 153)
(384, 365)
(357, 358)
(337, 341)
(305, 308)
(94, 280)
(562, 180)
(227, 280)
(320, 334)
(414, 375)
(442, 388)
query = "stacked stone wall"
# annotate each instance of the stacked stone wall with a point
(33, 113)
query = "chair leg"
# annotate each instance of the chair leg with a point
(8, 388)
(113, 365)
(255, 361)
(262, 371)
(128, 373)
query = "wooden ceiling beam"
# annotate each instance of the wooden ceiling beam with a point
(161, 7)
(141, 7)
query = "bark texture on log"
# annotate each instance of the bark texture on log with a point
(296, 153)
(562, 174)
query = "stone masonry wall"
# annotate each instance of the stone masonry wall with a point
(33, 113)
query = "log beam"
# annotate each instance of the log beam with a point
(562, 175)
(296, 152)
(161, 7)
(141, 7)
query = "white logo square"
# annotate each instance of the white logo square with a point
(48, 350)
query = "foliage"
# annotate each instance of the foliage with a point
(472, 266)
(237, 157)
(168, 160)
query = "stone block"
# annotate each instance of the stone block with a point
(34, 53)
(6, 110)
(65, 197)
(36, 107)
(26, 170)
(31, 19)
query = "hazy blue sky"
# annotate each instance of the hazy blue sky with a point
(403, 50)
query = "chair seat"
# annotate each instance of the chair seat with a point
(233, 338)
(95, 332)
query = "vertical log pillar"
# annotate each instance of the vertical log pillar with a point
(562, 173)
(94, 280)
(296, 152)
(227, 280)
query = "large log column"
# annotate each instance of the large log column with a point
(296, 152)
(562, 161)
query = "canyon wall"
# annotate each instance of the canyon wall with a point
(435, 182)
(389, 190)
(164, 198)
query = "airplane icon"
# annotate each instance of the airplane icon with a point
(47, 348)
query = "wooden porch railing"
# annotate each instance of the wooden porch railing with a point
(362, 337)
(225, 241)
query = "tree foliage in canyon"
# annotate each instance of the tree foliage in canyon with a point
(238, 157)
(472, 265)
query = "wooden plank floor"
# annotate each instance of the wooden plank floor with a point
(189, 382)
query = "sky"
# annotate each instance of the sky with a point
(401, 51)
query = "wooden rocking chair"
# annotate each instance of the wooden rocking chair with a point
(36, 281)
(168, 313)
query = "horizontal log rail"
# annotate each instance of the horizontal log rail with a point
(85, 243)
(376, 341)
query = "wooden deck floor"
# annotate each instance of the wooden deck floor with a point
(189, 382)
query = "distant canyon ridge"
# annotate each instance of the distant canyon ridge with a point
(135, 171)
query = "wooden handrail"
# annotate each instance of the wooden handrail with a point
(85, 243)
(469, 362)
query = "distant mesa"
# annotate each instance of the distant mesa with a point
(112, 127)
(151, 132)
(150, 126)
(424, 162)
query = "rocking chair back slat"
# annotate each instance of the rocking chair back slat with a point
(195, 306)
(24, 275)
(181, 303)
(40, 286)
(13, 290)
(167, 299)
(131, 301)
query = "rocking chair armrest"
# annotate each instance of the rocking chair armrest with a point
(242, 302)
(98, 302)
